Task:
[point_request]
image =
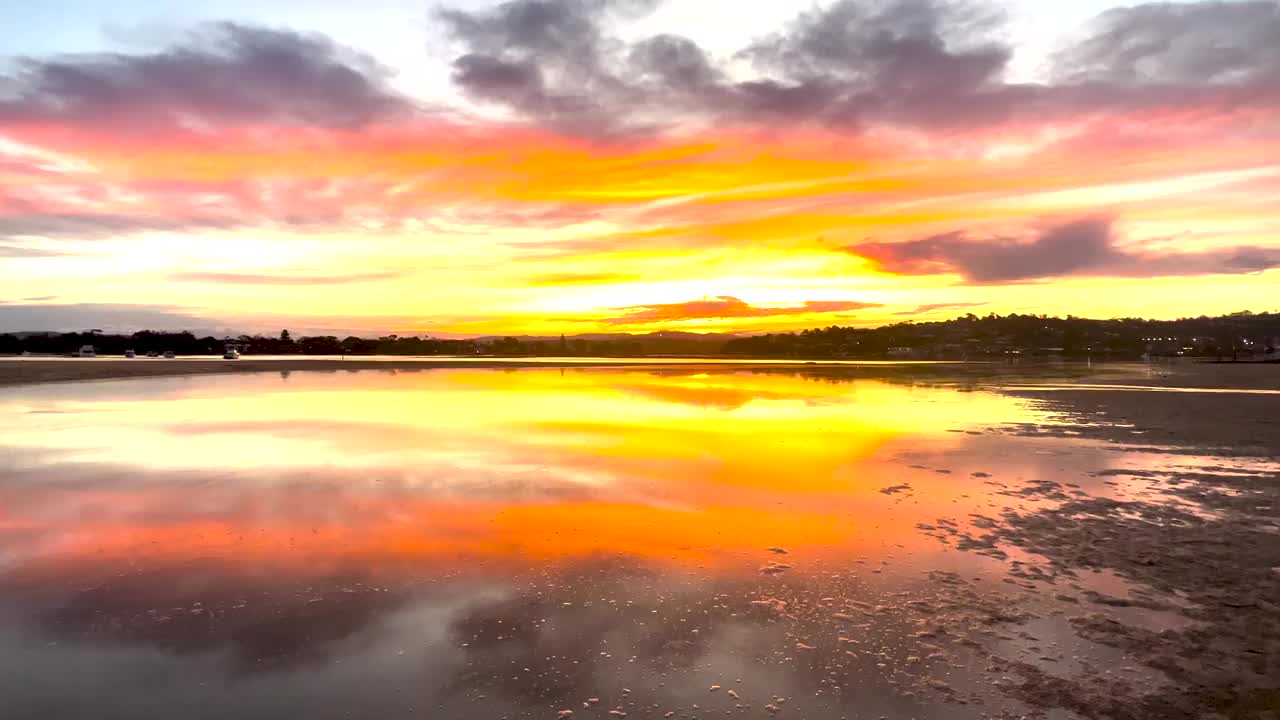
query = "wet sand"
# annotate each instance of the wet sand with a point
(1195, 542)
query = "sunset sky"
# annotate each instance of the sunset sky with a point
(549, 166)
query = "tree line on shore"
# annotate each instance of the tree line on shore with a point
(1246, 333)
(186, 343)
(1027, 335)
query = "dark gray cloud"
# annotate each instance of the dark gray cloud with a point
(561, 64)
(266, 279)
(222, 73)
(920, 63)
(1214, 43)
(551, 60)
(725, 306)
(913, 60)
(1084, 247)
(555, 61)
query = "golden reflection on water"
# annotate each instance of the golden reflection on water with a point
(447, 468)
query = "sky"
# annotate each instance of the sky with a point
(628, 166)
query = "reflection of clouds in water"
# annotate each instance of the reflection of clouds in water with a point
(487, 462)
(257, 621)
(586, 420)
(542, 640)
(59, 482)
(361, 674)
(289, 544)
(718, 398)
(69, 517)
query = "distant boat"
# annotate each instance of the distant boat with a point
(86, 351)
(169, 354)
(231, 354)
(154, 354)
(130, 354)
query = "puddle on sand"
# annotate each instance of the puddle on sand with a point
(484, 543)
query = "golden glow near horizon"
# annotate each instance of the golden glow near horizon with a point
(441, 466)
(211, 209)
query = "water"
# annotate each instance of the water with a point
(489, 360)
(485, 543)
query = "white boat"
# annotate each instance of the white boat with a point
(130, 354)
(231, 354)
(86, 351)
(169, 354)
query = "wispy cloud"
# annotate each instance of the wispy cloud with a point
(230, 278)
(112, 317)
(94, 225)
(935, 307)
(14, 251)
(580, 278)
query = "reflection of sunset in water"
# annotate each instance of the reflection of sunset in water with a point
(485, 544)
(446, 467)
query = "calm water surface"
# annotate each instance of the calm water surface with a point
(501, 544)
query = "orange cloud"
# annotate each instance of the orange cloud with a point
(726, 307)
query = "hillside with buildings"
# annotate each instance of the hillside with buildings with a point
(1238, 336)
(1242, 336)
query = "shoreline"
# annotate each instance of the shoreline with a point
(21, 371)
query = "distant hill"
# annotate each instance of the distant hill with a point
(602, 337)
(662, 342)
(1239, 334)
(185, 343)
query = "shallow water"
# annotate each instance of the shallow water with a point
(516, 543)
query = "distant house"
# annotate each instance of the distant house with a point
(86, 351)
